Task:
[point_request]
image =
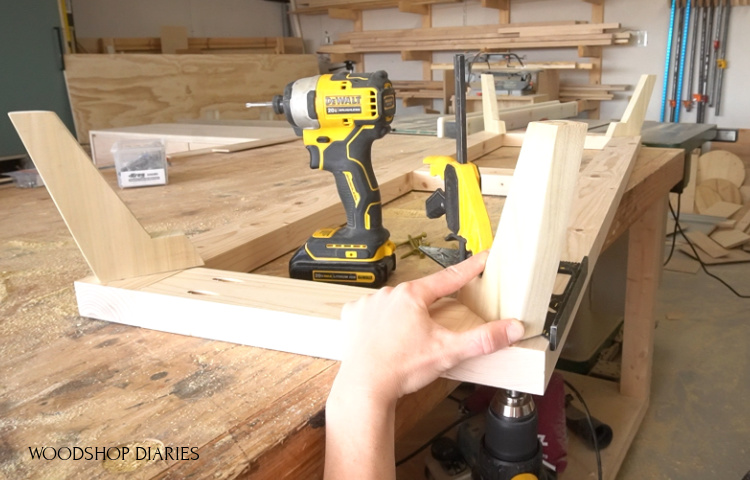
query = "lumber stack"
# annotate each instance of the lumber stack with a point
(481, 67)
(315, 7)
(570, 93)
(410, 89)
(278, 45)
(481, 37)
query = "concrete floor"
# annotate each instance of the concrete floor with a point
(698, 422)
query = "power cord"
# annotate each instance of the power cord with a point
(678, 227)
(591, 426)
(674, 230)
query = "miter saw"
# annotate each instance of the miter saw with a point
(512, 79)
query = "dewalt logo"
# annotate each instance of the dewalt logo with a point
(344, 104)
(343, 100)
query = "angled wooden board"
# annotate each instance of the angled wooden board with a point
(111, 239)
(522, 266)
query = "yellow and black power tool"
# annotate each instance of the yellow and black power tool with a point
(339, 116)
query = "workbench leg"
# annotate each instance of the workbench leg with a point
(645, 254)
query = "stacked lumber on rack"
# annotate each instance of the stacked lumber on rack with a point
(480, 67)
(481, 37)
(314, 7)
(278, 45)
(414, 92)
(569, 93)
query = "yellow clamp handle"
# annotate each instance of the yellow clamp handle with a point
(474, 222)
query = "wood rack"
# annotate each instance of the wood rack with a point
(277, 45)
(478, 37)
(587, 36)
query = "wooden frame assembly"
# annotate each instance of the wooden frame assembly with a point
(255, 310)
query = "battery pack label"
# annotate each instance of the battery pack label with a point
(334, 276)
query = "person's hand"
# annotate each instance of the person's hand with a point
(394, 347)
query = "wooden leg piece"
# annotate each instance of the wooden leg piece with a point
(111, 239)
(645, 256)
(522, 267)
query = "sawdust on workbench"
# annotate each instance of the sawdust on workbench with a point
(36, 288)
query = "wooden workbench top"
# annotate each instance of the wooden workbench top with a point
(69, 381)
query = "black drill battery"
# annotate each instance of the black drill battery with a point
(372, 274)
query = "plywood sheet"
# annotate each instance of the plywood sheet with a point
(109, 91)
(181, 137)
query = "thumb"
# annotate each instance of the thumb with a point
(485, 339)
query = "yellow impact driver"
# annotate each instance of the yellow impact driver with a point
(339, 116)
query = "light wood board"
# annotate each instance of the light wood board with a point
(109, 91)
(704, 242)
(113, 242)
(730, 238)
(181, 137)
(523, 262)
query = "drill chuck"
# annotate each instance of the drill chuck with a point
(510, 446)
(512, 435)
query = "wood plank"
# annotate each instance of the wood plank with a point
(702, 241)
(645, 258)
(522, 266)
(743, 222)
(180, 137)
(109, 91)
(234, 147)
(585, 237)
(730, 238)
(492, 122)
(174, 39)
(118, 246)
(541, 65)
(733, 256)
(720, 209)
(239, 147)
(632, 120)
